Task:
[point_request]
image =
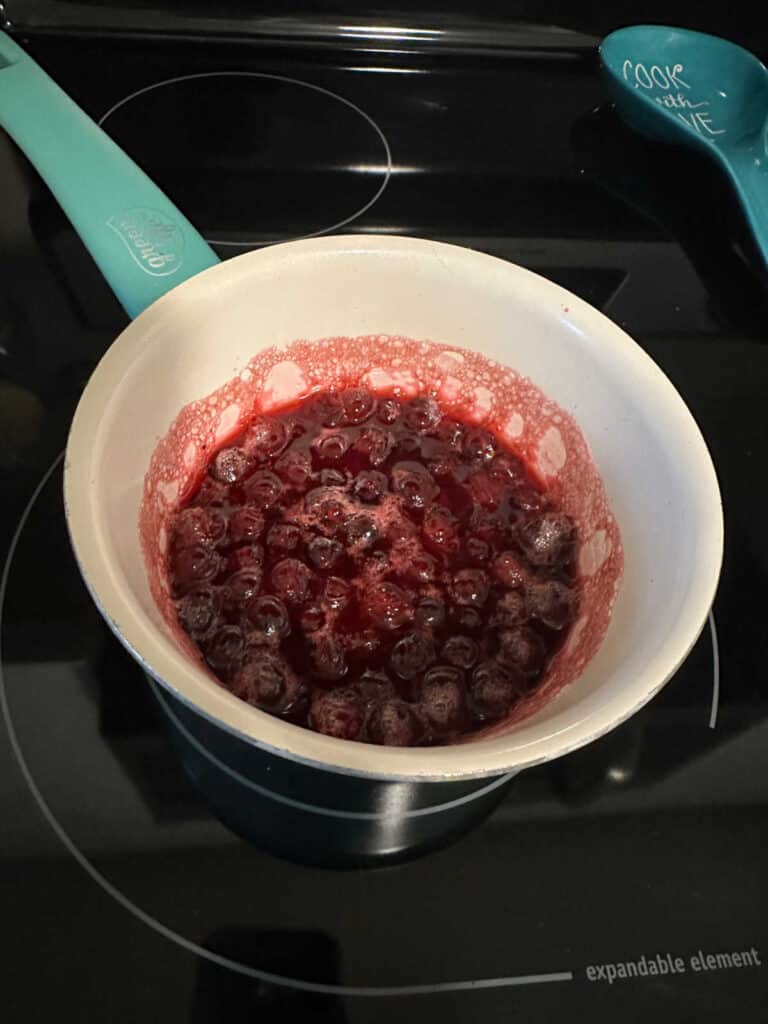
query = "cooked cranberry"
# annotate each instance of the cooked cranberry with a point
(326, 509)
(331, 447)
(441, 461)
(408, 446)
(488, 525)
(332, 478)
(361, 533)
(492, 691)
(421, 567)
(370, 486)
(245, 524)
(522, 650)
(249, 556)
(192, 526)
(477, 550)
(451, 432)
(479, 445)
(400, 528)
(363, 646)
(467, 619)
(387, 606)
(266, 439)
(327, 656)
(412, 655)
(229, 465)
(292, 580)
(510, 608)
(190, 566)
(430, 613)
(212, 494)
(486, 490)
(315, 499)
(262, 682)
(198, 610)
(257, 643)
(263, 488)
(508, 569)
(470, 587)
(394, 724)
(295, 468)
(284, 537)
(312, 618)
(388, 411)
(324, 553)
(330, 409)
(528, 498)
(358, 404)
(374, 444)
(224, 652)
(460, 651)
(241, 588)
(509, 470)
(421, 414)
(413, 483)
(440, 530)
(376, 686)
(551, 602)
(442, 698)
(331, 515)
(269, 614)
(337, 593)
(338, 713)
(546, 539)
(218, 528)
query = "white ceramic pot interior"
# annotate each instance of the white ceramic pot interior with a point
(657, 472)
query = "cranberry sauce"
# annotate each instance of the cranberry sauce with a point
(374, 569)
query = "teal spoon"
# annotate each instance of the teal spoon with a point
(142, 244)
(701, 91)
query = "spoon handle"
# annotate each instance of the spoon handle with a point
(142, 244)
(750, 179)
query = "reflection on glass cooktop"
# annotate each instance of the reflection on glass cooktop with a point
(626, 881)
(298, 160)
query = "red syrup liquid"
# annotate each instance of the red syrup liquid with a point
(405, 561)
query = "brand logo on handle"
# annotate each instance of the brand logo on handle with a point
(152, 239)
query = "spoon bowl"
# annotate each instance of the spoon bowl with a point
(688, 88)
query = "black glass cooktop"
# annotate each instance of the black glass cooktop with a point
(628, 881)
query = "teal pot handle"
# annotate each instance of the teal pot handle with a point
(141, 243)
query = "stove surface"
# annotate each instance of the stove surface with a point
(626, 881)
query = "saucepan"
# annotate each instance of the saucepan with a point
(198, 324)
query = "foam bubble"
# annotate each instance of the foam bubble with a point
(378, 379)
(450, 389)
(228, 420)
(576, 630)
(284, 383)
(514, 426)
(190, 456)
(594, 552)
(483, 403)
(448, 361)
(551, 454)
(168, 490)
